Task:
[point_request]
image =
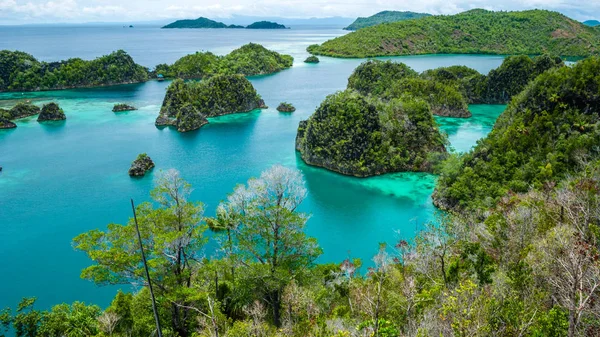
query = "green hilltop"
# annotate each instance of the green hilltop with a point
(473, 32)
(384, 17)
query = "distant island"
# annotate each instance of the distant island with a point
(477, 31)
(591, 23)
(384, 17)
(202, 22)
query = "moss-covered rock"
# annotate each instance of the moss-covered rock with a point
(361, 136)
(51, 112)
(312, 59)
(123, 107)
(23, 110)
(6, 124)
(142, 164)
(285, 107)
(188, 105)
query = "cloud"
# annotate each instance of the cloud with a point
(45, 11)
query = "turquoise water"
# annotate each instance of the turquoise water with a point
(63, 178)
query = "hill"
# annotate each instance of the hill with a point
(592, 23)
(265, 25)
(384, 17)
(473, 32)
(200, 22)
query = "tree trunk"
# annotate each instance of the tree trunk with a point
(571, 323)
(276, 303)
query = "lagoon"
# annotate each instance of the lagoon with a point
(62, 179)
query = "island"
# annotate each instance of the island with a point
(476, 31)
(356, 135)
(6, 124)
(591, 23)
(203, 22)
(384, 17)
(248, 60)
(312, 59)
(22, 72)
(23, 110)
(285, 107)
(537, 141)
(187, 105)
(266, 25)
(200, 22)
(123, 107)
(142, 164)
(51, 112)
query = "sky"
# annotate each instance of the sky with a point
(80, 11)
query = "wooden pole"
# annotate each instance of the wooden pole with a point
(137, 229)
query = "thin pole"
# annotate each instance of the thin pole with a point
(137, 229)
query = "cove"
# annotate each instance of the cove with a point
(62, 179)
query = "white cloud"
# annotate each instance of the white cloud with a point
(44, 11)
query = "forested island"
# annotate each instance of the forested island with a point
(22, 72)
(384, 17)
(592, 23)
(248, 60)
(477, 31)
(187, 105)
(202, 22)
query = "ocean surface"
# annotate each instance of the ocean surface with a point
(63, 178)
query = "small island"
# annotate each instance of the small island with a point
(187, 105)
(312, 59)
(23, 110)
(384, 17)
(123, 107)
(51, 112)
(266, 25)
(6, 124)
(286, 107)
(142, 164)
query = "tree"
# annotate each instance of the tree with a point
(172, 235)
(268, 234)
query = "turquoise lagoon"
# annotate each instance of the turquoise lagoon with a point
(61, 179)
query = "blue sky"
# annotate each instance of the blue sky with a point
(52, 11)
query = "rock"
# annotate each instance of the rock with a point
(444, 111)
(24, 109)
(6, 124)
(312, 59)
(164, 120)
(51, 112)
(141, 165)
(190, 118)
(285, 107)
(123, 107)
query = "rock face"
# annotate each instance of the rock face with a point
(188, 105)
(312, 59)
(51, 112)
(6, 124)
(141, 165)
(362, 136)
(24, 109)
(123, 107)
(286, 107)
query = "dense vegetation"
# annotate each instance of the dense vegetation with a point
(22, 72)
(187, 105)
(123, 107)
(266, 25)
(592, 23)
(384, 17)
(51, 112)
(248, 60)
(312, 59)
(200, 22)
(357, 135)
(285, 107)
(473, 32)
(545, 133)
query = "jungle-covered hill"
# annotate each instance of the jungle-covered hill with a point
(477, 31)
(383, 17)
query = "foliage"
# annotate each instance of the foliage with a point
(265, 25)
(544, 134)
(477, 31)
(22, 72)
(200, 22)
(312, 59)
(384, 17)
(356, 135)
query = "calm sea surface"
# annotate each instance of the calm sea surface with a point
(62, 179)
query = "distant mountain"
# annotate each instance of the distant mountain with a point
(384, 17)
(592, 23)
(265, 25)
(199, 23)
